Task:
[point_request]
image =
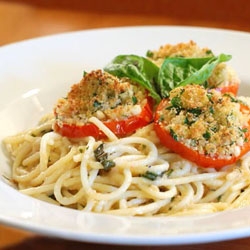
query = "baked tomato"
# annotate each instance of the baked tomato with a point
(122, 105)
(231, 88)
(209, 128)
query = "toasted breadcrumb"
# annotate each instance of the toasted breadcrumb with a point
(190, 49)
(101, 95)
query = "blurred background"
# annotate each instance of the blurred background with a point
(22, 19)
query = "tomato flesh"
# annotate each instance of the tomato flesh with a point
(232, 88)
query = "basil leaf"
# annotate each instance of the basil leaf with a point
(138, 69)
(180, 71)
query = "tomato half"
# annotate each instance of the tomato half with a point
(200, 159)
(232, 88)
(118, 127)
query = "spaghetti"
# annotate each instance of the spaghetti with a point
(148, 179)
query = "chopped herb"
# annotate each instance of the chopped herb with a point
(214, 129)
(108, 164)
(41, 133)
(176, 102)
(150, 175)
(207, 135)
(169, 172)
(219, 197)
(209, 52)
(195, 111)
(97, 104)
(149, 53)
(209, 96)
(243, 130)
(161, 118)
(231, 97)
(211, 110)
(188, 122)
(102, 157)
(173, 134)
(99, 153)
(134, 100)
(205, 84)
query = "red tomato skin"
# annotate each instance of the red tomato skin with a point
(200, 159)
(120, 127)
(74, 131)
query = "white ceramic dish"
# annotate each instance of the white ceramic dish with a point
(34, 73)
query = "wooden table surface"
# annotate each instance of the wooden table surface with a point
(23, 19)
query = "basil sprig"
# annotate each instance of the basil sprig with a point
(174, 71)
(180, 71)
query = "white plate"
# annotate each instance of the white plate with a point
(34, 73)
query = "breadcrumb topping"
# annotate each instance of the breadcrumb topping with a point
(206, 121)
(101, 95)
(190, 49)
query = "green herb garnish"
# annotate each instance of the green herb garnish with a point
(206, 135)
(134, 100)
(173, 134)
(150, 175)
(174, 71)
(102, 157)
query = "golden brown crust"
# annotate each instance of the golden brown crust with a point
(101, 95)
(189, 49)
